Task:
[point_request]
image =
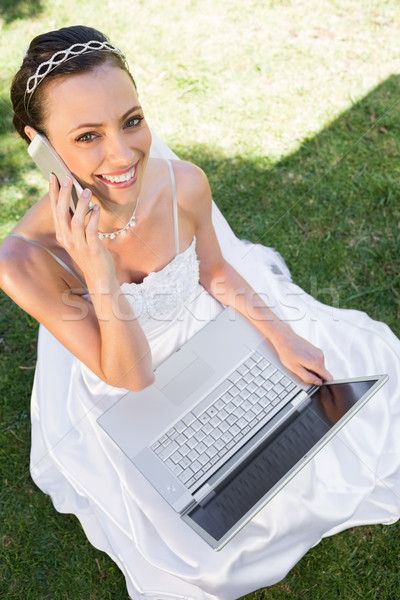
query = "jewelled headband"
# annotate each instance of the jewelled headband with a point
(63, 56)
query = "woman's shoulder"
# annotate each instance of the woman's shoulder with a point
(25, 265)
(184, 171)
(189, 174)
(192, 187)
(26, 254)
(35, 226)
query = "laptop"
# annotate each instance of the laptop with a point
(225, 426)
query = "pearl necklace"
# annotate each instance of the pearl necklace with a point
(124, 230)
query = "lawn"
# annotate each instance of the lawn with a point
(291, 107)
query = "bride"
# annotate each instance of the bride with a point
(145, 229)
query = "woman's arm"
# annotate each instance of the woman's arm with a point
(105, 334)
(222, 281)
(295, 353)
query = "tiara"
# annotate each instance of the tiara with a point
(62, 56)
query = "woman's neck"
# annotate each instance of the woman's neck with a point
(114, 217)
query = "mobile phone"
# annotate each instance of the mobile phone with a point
(48, 161)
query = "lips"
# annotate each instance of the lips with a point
(120, 179)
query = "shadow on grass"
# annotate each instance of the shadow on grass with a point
(332, 210)
(11, 10)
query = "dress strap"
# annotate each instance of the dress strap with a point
(174, 207)
(56, 258)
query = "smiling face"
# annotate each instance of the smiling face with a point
(96, 124)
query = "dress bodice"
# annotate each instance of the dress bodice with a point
(162, 294)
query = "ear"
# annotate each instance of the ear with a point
(30, 132)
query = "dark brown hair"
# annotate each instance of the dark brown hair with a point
(30, 109)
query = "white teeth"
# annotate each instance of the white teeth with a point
(120, 178)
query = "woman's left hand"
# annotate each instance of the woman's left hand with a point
(300, 357)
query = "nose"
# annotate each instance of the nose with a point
(118, 151)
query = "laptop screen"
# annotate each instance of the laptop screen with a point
(270, 462)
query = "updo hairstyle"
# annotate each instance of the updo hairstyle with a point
(30, 109)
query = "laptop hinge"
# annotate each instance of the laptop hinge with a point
(248, 448)
(201, 493)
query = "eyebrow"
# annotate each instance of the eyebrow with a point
(124, 116)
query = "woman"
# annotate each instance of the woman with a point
(95, 281)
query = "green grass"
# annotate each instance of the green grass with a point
(291, 108)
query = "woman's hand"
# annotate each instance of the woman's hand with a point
(79, 234)
(108, 337)
(300, 357)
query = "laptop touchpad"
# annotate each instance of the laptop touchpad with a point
(187, 380)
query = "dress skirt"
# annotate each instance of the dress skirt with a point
(354, 480)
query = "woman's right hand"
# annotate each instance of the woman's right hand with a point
(78, 234)
(119, 352)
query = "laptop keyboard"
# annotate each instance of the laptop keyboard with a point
(249, 397)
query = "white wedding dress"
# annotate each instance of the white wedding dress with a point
(355, 480)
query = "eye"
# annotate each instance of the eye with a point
(133, 121)
(86, 137)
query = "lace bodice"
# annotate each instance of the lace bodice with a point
(163, 293)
